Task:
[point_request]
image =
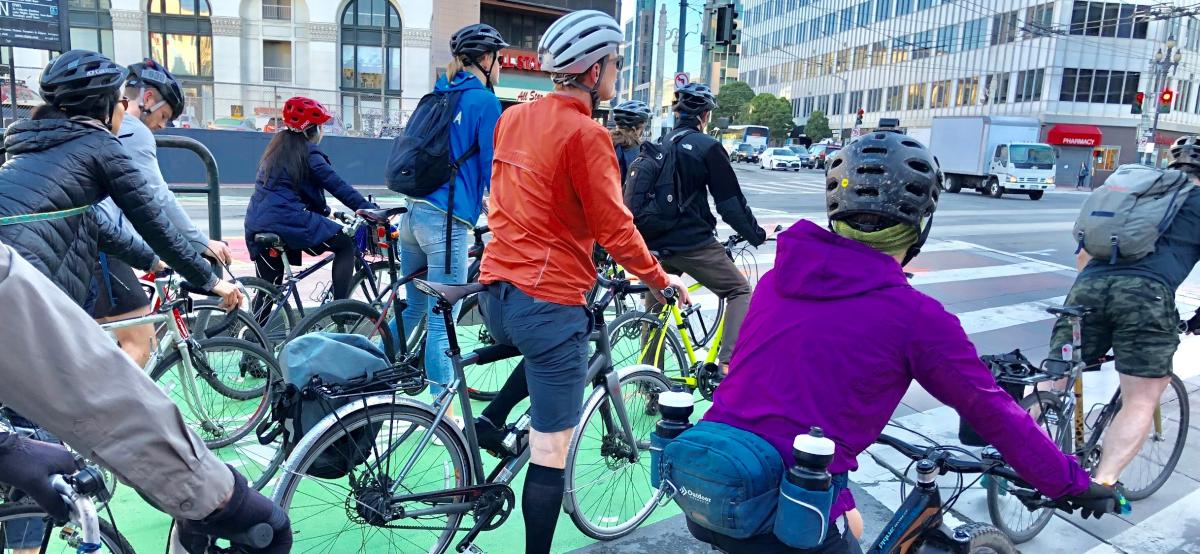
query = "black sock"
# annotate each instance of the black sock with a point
(515, 389)
(541, 502)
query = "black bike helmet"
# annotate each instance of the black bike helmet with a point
(150, 74)
(884, 174)
(476, 40)
(1185, 154)
(631, 114)
(80, 80)
(695, 99)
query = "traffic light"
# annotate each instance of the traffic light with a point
(727, 25)
(1164, 100)
(858, 120)
(1139, 100)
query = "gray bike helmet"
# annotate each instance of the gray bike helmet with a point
(577, 41)
(81, 81)
(889, 175)
(1185, 154)
(473, 41)
(150, 74)
(695, 99)
(631, 114)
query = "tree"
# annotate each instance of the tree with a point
(770, 111)
(731, 100)
(817, 127)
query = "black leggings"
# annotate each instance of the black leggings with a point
(343, 249)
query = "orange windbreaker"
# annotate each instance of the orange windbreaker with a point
(556, 191)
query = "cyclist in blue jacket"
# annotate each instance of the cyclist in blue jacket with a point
(631, 117)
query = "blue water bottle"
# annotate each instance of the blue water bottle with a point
(676, 408)
(806, 492)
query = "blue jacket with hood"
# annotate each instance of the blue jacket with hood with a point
(475, 122)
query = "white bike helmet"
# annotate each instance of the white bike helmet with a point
(576, 42)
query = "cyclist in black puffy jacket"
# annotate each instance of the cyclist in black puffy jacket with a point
(631, 117)
(691, 246)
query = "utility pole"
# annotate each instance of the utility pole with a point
(682, 34)
(658, 74)
(1164, 65)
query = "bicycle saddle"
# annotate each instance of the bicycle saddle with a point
(270, 240)
(381, 215)
(448, 293)
(1070, 311)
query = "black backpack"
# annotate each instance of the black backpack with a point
(652, 190)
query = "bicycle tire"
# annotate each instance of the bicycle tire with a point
(206, 429)
(1184, 420)
(312, 446)
(279, 327)
(982, 538)
(360, 287)
(630, 326)
(112, 540)
(998, 506)
(647, 382)
(483, 381)
(245, 328)
(348, 316)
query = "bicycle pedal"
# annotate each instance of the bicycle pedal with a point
(473, 549)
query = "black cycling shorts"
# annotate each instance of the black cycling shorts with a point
(120, 292)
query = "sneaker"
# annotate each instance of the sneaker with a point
(491, 438)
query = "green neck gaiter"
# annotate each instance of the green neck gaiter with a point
(893, 241)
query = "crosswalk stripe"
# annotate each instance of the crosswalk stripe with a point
(974, 273)
(1010, 315)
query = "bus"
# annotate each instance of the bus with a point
(754, 135)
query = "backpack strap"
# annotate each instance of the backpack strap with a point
(454, 167)
(677, 139)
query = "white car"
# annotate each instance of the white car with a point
(779, 158)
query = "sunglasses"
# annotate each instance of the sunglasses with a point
(618, 61)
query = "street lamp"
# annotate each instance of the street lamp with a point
(1165, 64)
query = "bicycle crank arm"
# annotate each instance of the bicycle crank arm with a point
(491, 511)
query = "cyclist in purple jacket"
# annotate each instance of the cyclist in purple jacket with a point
(835, 335)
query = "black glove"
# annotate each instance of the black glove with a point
(759, 238)
(27, 465)
(1096, 501)
(246, 509)
(1192, 326)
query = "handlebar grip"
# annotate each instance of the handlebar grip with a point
(258, 537)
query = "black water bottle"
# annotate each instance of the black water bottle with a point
(676, 409)
(812, 453)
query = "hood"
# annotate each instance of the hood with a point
(462, 81)
(30, 135)
(815, 264)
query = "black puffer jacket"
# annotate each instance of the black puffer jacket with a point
(57, 164)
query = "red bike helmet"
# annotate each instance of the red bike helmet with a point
(300, 113)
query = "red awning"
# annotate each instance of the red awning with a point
(1068, 134)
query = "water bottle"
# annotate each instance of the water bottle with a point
(676, 408)
(806, 494)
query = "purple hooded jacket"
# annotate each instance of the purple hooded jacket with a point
(834, 337)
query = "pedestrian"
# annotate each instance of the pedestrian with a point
(1084, 173)
(433, 233)
(289, 198)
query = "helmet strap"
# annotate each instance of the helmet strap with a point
(141, 102)
(916, 247)
(487, 73)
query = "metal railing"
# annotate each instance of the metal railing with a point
(277, 74)
(212, 189)
(277, 12)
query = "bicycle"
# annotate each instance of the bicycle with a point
(84, 532)
(382, 495)
(917, 525)
(1061, 414)
(669, 338)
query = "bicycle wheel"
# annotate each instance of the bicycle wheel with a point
(207, 319)
(17, 517)
(607, 496)
(985, 539)
(483, 381)
(633, 332)
(1006, 510)
(233, 401)
(264, 296)
(339, 514)
(351, 317)
(1154, 463)
(360, 286)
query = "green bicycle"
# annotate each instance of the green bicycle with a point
(671, 337)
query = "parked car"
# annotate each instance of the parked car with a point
(801, 152)
(819, 152)
(744, 153)
(233, 124)
(780, 158)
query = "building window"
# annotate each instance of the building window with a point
(1108, 19)
(856, 101)
(924, 4)
(830, 24)
(864, 14)
(879, 53)
(843, 60)
(814, 29)
(922, 46)
(995, 88)
(1039, 20)
(823, 103)
(365, 64)
(883, 9)
(808, 105)
(847, 19)
(903, 7)
(1097, 86)
(1004, 28)
(277, 10)
(874, 99)
(916, 96)
(939, 94)
(946, 37)
(1183, 95)
(277, 61)
(181, 36)
(1029, 85)
(895, 98)
(974, 34)
(968, 91)
(861, 57)
(835, 107)
(91, 25)
(1106, 157)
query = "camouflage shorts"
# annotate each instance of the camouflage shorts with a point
(1134, 316)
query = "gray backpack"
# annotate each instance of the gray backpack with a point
(1122, 220)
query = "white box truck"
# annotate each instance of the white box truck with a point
(993, 155)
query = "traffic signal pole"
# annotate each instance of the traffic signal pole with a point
(682, 35)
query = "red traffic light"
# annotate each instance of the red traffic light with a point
(1166, 96)
(1140, 98)
(861, 112)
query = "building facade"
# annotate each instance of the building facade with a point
(1076, 65)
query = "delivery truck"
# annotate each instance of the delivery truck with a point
(993, 155)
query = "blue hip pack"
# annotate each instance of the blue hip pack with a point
(725, 479)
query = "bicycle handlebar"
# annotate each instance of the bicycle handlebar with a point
(991, 464)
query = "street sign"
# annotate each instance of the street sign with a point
(682, 79)
(855, 132)
(1147, 148)
(36, 24)
(1142, 141)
